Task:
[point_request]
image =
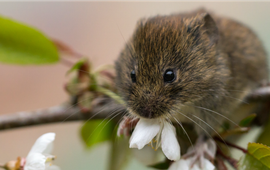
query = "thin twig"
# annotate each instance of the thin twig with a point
(62, 47)
(58, 114)
(260, 94)
(231, 161)
(231, 145)
(220, 164)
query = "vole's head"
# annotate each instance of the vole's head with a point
(170, 60)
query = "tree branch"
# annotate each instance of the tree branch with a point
(103, 107)
(260, 94)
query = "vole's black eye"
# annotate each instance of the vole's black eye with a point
(169, 76)
(133, 76)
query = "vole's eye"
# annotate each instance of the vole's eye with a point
(133, 76)
(169, 76)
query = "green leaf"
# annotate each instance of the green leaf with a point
(97, 131)
(257, 158)
(247, 121)
(264, 137)
(248, 162)
(21, 44)
(260, 152)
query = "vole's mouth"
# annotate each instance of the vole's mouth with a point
(146, 112)
(149, 107)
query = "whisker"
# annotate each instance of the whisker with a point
(77, 103)
(70, 114)
(118, 123)
(108, 122)
(116, 110)
(94, 115)
(231, 96)
(72, 107)
(116, 139)
(98, 113)
(168, 119)
(228, 90)
(213, 116)
(237, 99)
(239, 90)
(197, 124)
(216, 113)
(213, 130)
(183, 130)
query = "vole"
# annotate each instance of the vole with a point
(195, 65)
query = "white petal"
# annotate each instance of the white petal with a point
(145, 131)
(211, 147)
(179, 165)
(196, 167)
(148, 156)
(52, 167)
(35, 161)
(43, 144)
(169, 143)
(208, 165)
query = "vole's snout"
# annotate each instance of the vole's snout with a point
(146, 112)
(148, 105)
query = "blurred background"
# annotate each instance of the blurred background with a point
(90, 28)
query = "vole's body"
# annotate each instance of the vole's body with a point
(216, 61)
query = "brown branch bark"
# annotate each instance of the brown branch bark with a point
(62, 113)
(100, 110)
(259, 95)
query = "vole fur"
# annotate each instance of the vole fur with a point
(217, 62)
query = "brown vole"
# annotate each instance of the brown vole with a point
(190, 66)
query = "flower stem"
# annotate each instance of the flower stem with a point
(231, 161)
(231, 145)
(110, 94)
(220, 164)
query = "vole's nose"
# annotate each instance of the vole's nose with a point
(146, 112)
(147, 92)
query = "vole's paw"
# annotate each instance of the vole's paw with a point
(200, 152)
(126, 125)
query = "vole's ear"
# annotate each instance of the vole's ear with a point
(210, 27)
(200, 21)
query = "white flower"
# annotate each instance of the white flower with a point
(183, 164)
(198, 152)
(39, 157)
(161, 131)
